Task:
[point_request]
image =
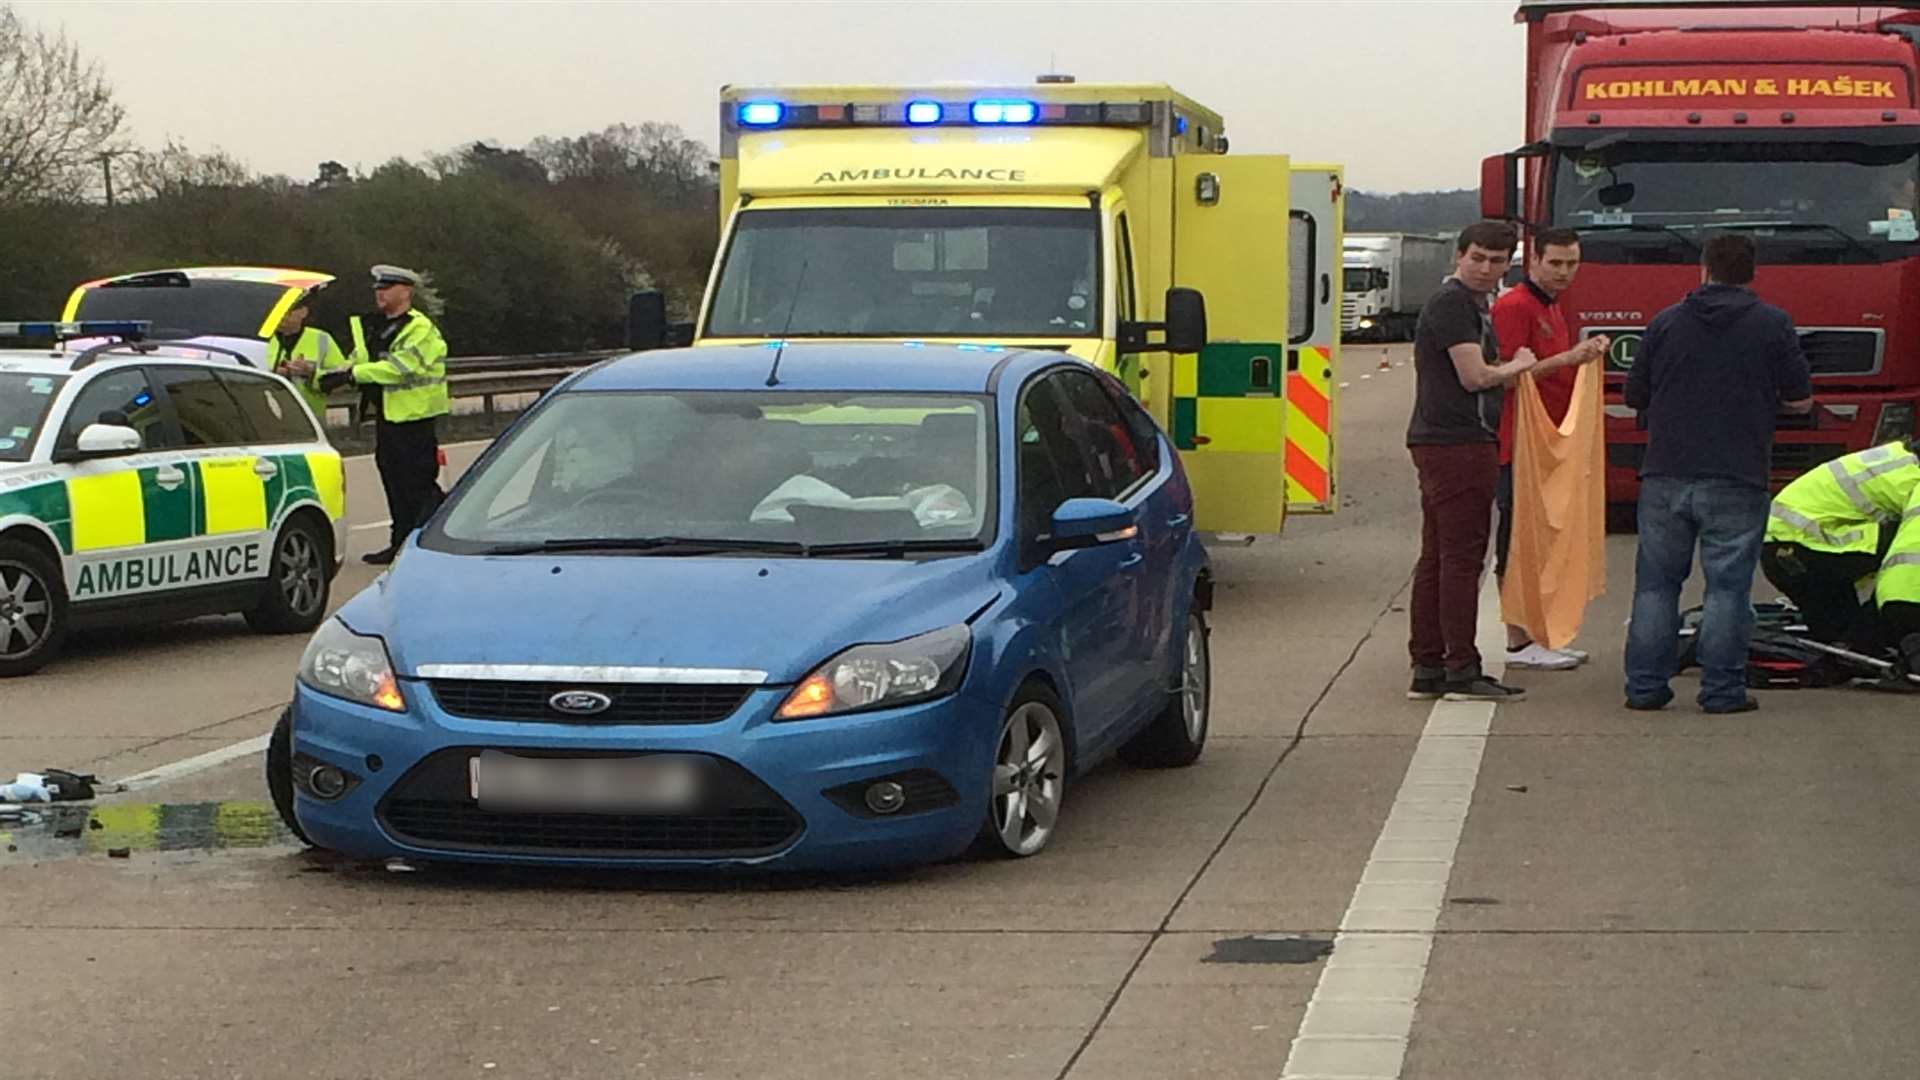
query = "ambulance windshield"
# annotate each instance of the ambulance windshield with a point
(24, 400)
(973, 272)
(1801, 201)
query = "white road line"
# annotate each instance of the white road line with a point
(1361, 1014)
(201, 763)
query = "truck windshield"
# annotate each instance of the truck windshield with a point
(688, 472)
(1802, 201)
(1357, 279)
(24, 400)
(910, 272)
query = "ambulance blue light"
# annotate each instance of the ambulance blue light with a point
(1005, 112)
(924, 112)
(761, 113)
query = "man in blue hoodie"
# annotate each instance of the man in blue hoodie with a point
(1712, 375)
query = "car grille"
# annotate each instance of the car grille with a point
(432, 807)
(531, 702)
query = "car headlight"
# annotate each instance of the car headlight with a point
(882, 676)
(351, 666)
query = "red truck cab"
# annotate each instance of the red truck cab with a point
(1652, 125)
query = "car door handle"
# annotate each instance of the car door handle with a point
(1133, 560)
(1178, 520)
(265, 470)
(168, 477)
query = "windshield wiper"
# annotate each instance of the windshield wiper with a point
(1803, 226)
(1643, 228)
(894, 548)
(651, 545)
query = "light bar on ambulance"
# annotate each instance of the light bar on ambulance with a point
(926, 112)
(62, 331)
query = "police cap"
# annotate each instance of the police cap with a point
(394, 275)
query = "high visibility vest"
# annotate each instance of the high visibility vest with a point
(317, 346)
(412, 372)
(1842, 506)
(1899, 579)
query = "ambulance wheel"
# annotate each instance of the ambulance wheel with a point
(280, 774)
(1179, 733)
(33, 609)
(295, 597)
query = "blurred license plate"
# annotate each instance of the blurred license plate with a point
(654, 783)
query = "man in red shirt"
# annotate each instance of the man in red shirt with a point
(1528, 316)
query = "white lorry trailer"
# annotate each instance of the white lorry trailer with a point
(1387, 277)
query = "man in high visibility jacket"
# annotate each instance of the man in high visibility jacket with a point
(1840, 524)
(303, 354)
(399, 351)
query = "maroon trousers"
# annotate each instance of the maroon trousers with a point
(1457, 485)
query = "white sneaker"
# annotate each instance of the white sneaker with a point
(1540, 658)
(1580, 656)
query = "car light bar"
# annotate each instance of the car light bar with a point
(926, 112)
(62, 331)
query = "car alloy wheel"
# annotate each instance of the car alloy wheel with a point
(1195, 680)
(302, 581)
(26, 611)
(1029, 778)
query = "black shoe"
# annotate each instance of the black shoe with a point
(1428, 684)
(1649, 706)
(1748, 705)
(381, 557)
(1481, 688)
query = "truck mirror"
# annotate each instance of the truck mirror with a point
(647, 320)
(1186, 320)
(1500, 187)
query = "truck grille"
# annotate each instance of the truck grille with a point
(1842, 352)
(1829, 351)
(632, 703)
(1349, 318)
(431, 807)
(1794, 457)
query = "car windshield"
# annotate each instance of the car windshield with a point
(970, 272)
(24, 401)
(216, 307)
(1827, 202)
(673, 471)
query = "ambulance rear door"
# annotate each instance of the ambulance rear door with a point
(1313, 339)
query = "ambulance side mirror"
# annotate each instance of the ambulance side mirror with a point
(1186, 320)
(647, 320)
(105, 440)
(1185, 330)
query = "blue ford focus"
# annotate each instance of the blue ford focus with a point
(815, 606)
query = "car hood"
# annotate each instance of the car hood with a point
(777, 615)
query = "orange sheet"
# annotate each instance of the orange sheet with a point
(1558, 562)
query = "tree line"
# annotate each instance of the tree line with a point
(531, 249)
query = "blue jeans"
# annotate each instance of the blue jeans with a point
(1728, 520)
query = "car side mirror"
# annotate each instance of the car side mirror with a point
(1084, 523)
(1185, 330)
(102, 440)
(647, 320)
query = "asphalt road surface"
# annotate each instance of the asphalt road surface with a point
(1346, 885)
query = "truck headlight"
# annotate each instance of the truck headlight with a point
(353, 666)
(1896, 422)
(882, 676)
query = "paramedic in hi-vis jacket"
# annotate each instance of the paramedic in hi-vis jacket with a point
(1841, 525)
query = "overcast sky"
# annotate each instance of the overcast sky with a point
(1408, 94)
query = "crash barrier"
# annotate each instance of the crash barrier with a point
(490, 378)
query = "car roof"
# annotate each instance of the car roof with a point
(51, 362)
(904, 367)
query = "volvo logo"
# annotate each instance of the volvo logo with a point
(580, 702)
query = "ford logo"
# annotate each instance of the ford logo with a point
(580, 702)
